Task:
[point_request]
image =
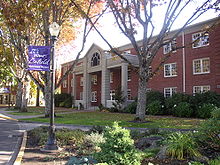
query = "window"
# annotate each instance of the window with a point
(129, 94)
(94, 96)
(64, 69)
(64, 83)
(81, 81)
(81, 95)
(148, 89)
(200, 39)
(168, 92)
(94, 79)
(171, 46)
(150, 71)
(201, 66)
(111, 77)
(170, 70)
(129, 74)
(112, 94)
(201, 89)
(95, 60)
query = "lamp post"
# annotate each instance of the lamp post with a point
(51, 143)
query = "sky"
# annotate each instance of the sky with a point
(116, 38)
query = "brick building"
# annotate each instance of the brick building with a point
(191, 69)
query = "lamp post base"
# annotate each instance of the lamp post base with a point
(51, 142)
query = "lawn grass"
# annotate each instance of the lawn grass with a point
(106, 119)
(36, 111)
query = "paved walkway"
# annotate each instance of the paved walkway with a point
(10, 139)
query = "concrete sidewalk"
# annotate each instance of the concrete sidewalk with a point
(10, 140)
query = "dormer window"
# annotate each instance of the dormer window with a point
(95, 60)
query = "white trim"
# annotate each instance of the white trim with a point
(202, 88)
(184, 62)
(170, 90)
(170, 70)
(65, 84)
(199, 38)
(94, 96)
(111, 77)
(201, 66)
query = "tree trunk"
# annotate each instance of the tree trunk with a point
(24, 97)
(141, 102)
(38, 98)
(19, 96)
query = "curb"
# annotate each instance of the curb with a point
(22, 148)
(6, 117)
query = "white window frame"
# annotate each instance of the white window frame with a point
(94, 79)
(129, 74)
(65, 84)
(169, 47)
(129, 94)
(112, 94)
(201, 89)
(94, 96)
(81, 81)
(172, 90)
(111, 77)
(96, 59)
(201, 39)
(172, 70)
(201, 66)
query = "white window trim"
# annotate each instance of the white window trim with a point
(170, 88)
(200, 45)
(94, 99)
(129, 90)
(170, 46)
(170, 70)
(72, 82)
(94, 79)
(129, 73)
(201, 59)
(202, 87)
(111, 77)
(65, 84)
(81, 81)
(111, 95)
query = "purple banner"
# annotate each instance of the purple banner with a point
(39, 58)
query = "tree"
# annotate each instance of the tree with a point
(131, 15)
(27, 23)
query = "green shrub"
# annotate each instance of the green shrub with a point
(154, 108)
(208, 134)
(37, 136)
(183, 109)
(67, 103)
(70, 137)
(215, 114)
(153, 96)
(173, 101)
(91, 143)
(97, 129)
(205, 111)
(215, 161)
(131, 108)
(58, 98)
(181, 146)
(118, 148)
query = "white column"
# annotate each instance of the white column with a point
(184, 63)
(86, 85)
(105, 82)
(74, 88)
(124, 81)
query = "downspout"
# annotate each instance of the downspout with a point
(184, 62)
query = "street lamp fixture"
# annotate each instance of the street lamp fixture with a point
(54, 29)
